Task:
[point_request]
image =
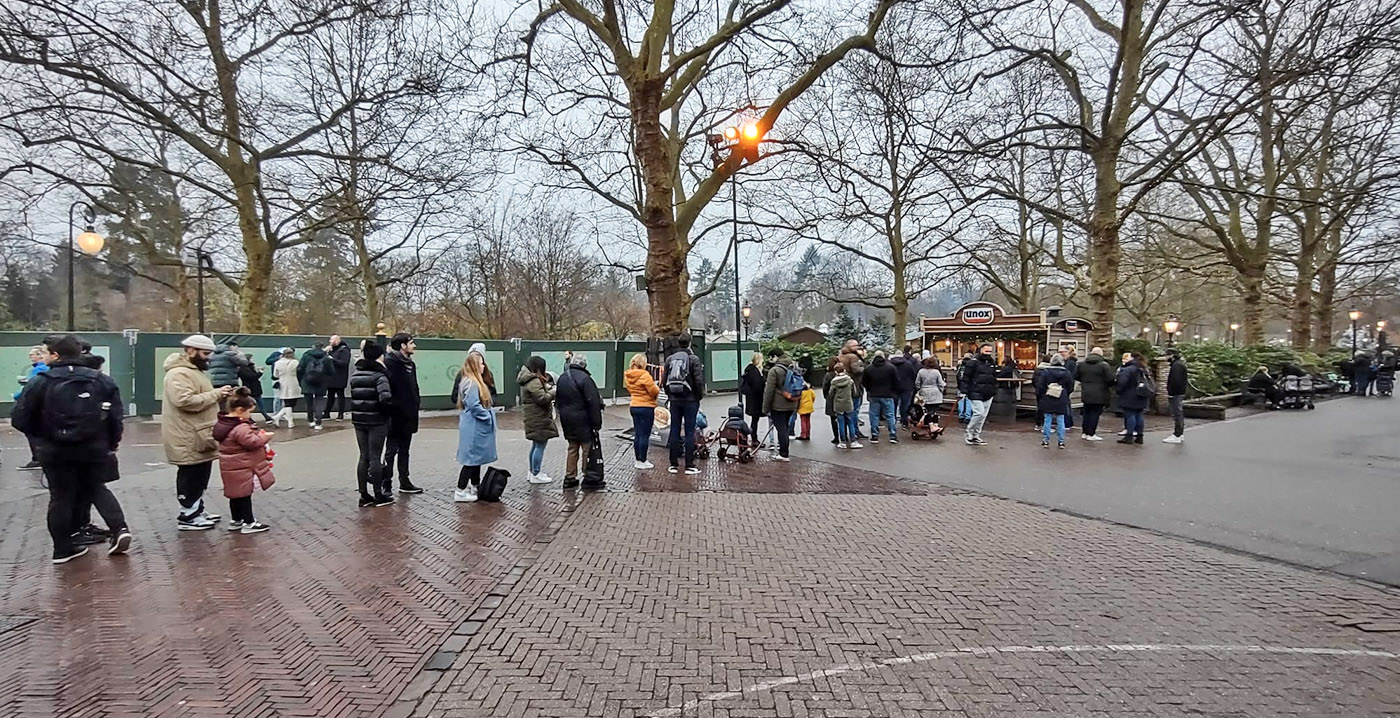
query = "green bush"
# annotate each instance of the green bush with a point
(1216, 368)
(1141, 346)
(1273, 357)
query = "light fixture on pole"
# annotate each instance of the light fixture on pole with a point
(1171, 326)
(1381, 342)
(88, 240)
(744, 142)
(1353, 315)
(747, 312)
(1234, 334)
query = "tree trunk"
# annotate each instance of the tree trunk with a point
(667, 248)
(1325, 307)
(1252, 297)
(1302, 310)
(1104, 250)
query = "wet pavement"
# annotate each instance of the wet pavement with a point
(838, 585)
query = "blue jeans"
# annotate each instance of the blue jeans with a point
(881, 409)
(537, 456)
(1133, 422)
(846, 426)
(857, 400)
(643, 418)
(683, 413)
(906, 400)
(1059, 421)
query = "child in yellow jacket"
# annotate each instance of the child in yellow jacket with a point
(805, 406)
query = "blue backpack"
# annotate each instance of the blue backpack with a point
(794, 385)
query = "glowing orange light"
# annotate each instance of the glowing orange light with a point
(750, 132)
(731, 133)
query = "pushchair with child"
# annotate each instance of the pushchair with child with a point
(923, 422)
(1298, 392)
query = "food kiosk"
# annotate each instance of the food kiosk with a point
(1023, 337)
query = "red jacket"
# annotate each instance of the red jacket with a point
(242, 453)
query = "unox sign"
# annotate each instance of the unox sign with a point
(977, 314)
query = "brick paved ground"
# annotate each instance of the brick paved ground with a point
(645, 602)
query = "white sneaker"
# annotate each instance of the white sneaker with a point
(196, 523)
(643, 465)
(691, 471)
(856, 445)
(674, 469)
(464, 496)
(235, 526)
(1095, 437)
(1174, 440)
(538, 479)
(841, 446)
(315, 427)
(783, 459)
(1123, 432)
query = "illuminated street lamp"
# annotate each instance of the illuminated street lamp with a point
(1234, 334)
(88, 240)
(743, 139)
(1353, 315)
(747, 313)
(1171, 326)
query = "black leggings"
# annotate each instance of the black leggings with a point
(335, 401)
(241, 509)
(469, 474)
(754, 426)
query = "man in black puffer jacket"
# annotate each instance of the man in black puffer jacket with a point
(1176, 396)
(371, 400)
(580, 408)
(881, 382)
(981, 378)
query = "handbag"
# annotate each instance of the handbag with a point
(593, 472)
(1054, 391)
(493, 484)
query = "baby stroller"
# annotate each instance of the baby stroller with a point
(1385, 381)
(704, 440)
(923, 422)
(1297, 392)
(734, 439)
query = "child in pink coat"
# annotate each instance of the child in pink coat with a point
(244, 461)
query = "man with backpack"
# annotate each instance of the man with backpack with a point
(781, 395)
(74, 413)
(315, 373)
(685, 387)
(189, 407)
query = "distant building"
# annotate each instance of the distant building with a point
(804, 335)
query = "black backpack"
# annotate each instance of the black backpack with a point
(75, 405)
(678, 376)
(493, 484)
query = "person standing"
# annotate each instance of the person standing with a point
(840, 396)
(403, 420)
(1135, 390)
(243, 461)
(805, 407)
(1052, 387)
(251, 378)
(1177, 384)
(827, 404)
(476, 428)
(189, 408)
(853, 357)
(74, 415)
(537, 391)
(339, 353)
(37, 366)
(906, 367)
(930, 384)
(1096, 380)
(371, 405)
(1071, 362)
(685, 387)
(778, 403)
(1361, 381)
(580, 415)
(981, 380)
(479, 349)
(881, 388)
(643, 392)
(751, 387)
(223, 367)
(963, 377)
(315, 373)
(286, 385)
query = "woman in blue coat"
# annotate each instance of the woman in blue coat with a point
(1135, 389)
(476, 429)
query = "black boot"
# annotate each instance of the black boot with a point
(1137, 439)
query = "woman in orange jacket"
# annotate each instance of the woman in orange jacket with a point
(643, 390)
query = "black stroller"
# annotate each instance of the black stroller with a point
(1385, 381)
(1298, 392)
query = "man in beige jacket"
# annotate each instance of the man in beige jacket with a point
(189, 408)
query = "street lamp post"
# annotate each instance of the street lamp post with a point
(1380, 335)
(1171, 326)
(747, 312)
(201, 258)
(746, 139)
(1353, 315)
(88, 240)
(1234, 334)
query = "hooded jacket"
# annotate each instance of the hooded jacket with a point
(1096, 380)
(841, 396)
(371, 398)
(315, 371)
(855, 367)
(1129, 377)
(537, 406)
(242, 455)
(580, 407)
(641, 387)
(751, 385)
(1047, 375)
(340, 356)
(27, 415)
(403, 384)
(907, 369)
(251, 377)
(773, 399)
(189, 407)
(285, 374)
(981, 378)
(1176, 378)
(881, 379)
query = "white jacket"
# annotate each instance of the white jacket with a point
(284, 372)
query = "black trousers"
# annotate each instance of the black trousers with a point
(396, 448)
(241, 509)
(469, 475)
(69, 481)
(315, 407)
(782, 421)
(335, 400)
(1092, 412)
(370, 473)
(190, 484)
(754, 425)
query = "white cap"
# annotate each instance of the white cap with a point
(477, 348)
(198, 341)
